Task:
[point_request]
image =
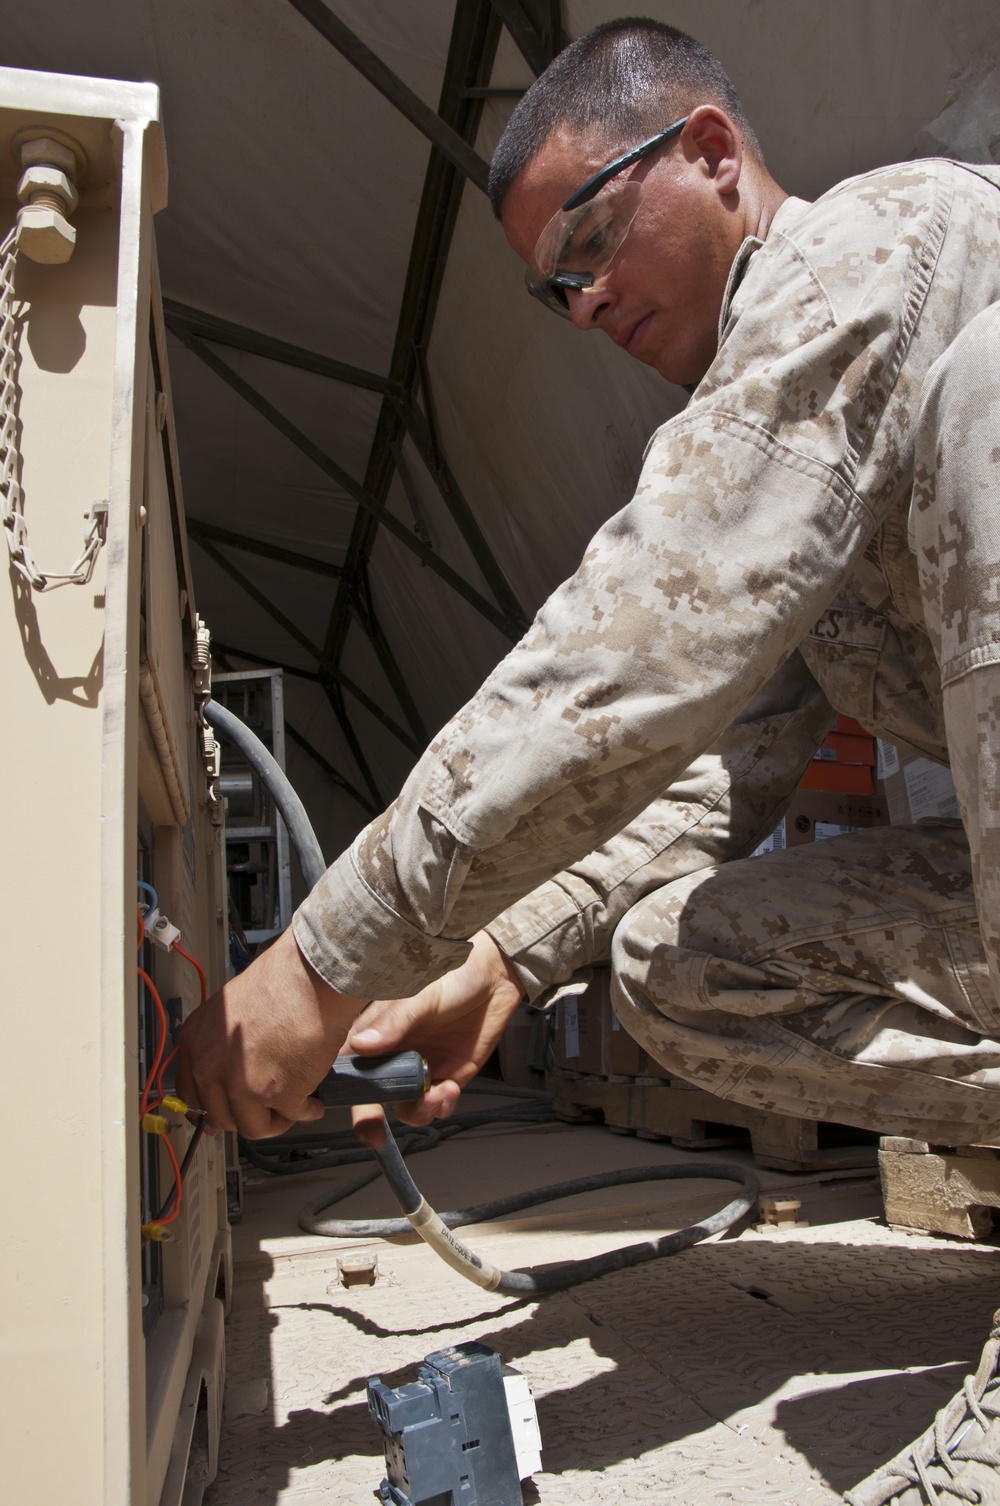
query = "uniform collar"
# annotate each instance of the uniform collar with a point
(786, 215)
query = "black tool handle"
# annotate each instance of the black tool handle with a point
(375, 1079)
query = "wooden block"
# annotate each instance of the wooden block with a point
(695, 1120)
(780, 1213)
(360, 1268)
(940, 1193)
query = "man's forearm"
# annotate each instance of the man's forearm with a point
(720, 808)
(727, 802)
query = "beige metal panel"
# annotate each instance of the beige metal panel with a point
(53, 668)
(80, 751)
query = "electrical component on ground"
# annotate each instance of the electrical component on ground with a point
(464, 1433)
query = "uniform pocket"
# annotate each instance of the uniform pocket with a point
(843, 650)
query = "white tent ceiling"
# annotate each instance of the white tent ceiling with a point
(295, 191)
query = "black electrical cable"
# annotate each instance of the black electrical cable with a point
(343, 1148)
(557, 1277)
(433, 1228)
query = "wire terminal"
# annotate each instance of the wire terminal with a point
(155, 1124)
(159, 929)
(175, 1104)
(159, 1233)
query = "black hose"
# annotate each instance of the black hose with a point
(432, 1227)
(343, 1148)
(293, 812)
(536, 1281)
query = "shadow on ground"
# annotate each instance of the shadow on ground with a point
(778, 1348)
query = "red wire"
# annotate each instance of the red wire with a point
(198, 966)
(161, 1042)
(168, 1218)
(162, 1072)
(154, 1078)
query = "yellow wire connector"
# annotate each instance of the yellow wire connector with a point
(171, 1101)
(158, 1232)
(155, 1124)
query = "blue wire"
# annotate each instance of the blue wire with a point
(149, 890)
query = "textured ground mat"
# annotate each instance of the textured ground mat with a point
(758, 1369)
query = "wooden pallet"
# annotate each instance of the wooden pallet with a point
(696, 1120)
(937, 1189)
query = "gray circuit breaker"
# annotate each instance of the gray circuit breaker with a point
(464, 1433)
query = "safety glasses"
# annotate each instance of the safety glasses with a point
(583, 237)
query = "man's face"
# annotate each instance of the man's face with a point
(660, 297)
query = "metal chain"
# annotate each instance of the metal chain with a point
(11, 495)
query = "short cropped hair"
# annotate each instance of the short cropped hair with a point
(630, 77)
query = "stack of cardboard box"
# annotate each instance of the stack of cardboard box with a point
(838, 793)
(587, 1036)
(915, 788)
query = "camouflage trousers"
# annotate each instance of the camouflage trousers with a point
(834, 981)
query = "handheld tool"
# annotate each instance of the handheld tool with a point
(400, 1078)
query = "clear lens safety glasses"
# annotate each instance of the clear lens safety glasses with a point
(577, 245)
(582, 238)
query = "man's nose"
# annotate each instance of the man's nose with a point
(588, 307)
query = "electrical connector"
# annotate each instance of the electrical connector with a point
(172, 1102)
(463, 1434)
(159, 929)
(155, 1124)
(158, 1233)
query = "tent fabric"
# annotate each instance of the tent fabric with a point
(294, 191)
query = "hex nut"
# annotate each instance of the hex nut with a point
(44, 151)
(45, 179)
(44, 235)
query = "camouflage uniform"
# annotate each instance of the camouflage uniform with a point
(814, 533)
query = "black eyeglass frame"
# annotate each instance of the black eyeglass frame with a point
(594, 184)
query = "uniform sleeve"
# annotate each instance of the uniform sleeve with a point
(721, 808)
(748, 518)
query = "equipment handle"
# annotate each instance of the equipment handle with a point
(375, 1079)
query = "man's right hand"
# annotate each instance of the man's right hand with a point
(454, 1023)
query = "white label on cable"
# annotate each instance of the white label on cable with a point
(888, 758)
(931, 790)
(571, 1019)
(825, 755)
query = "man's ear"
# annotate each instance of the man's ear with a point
(711, 136)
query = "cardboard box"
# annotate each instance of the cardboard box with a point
(815, 815)
(841, 778)
(847, 747)
(620, 1054)
(522, 1048)
(590, 1038)
(845, 762)
(577, 1044)
(915, 787)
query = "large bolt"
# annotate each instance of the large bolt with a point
(48, 195)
